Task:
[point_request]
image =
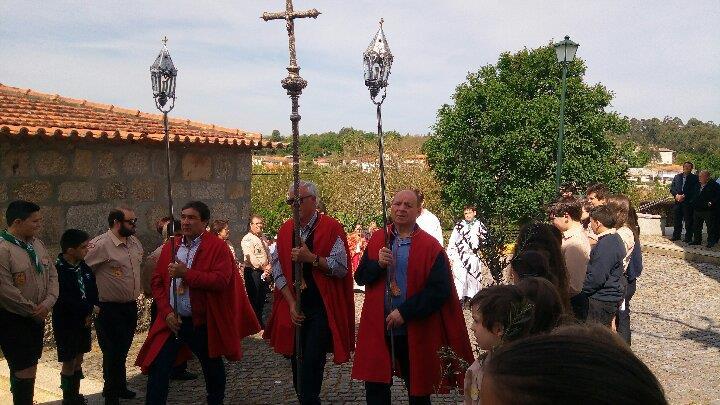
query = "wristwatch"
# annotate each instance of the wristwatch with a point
(316, 262)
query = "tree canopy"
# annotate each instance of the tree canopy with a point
(495, 146)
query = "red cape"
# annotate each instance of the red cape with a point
(213, 280)
(337, 293)
(426, 336)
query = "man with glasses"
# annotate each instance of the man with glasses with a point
(115, 257)
(257, 265)
(327, 312)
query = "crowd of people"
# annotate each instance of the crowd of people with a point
(561, 320)
(697, 198)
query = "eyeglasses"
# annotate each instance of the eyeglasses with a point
(131, 221)
(290, 201)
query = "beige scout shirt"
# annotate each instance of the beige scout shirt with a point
(148, 267)
(257, 248)
(116, 266)
(576, 251)
(21, 286)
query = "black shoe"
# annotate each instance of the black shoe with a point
(112, 401)
(694, 243)
(675, 238)
(127, 394)
(183, 376)
(711, 245)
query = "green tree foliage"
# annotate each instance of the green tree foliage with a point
(275, 136)
(633, 154)
(670, 132)
(496, 145)
(350, 194)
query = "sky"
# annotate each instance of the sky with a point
(660, 58)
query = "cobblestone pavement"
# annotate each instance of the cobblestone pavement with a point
(676, 331)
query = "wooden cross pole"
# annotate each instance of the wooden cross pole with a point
(294, 85)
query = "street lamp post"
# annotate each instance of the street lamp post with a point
(565, 51)
(163, 75)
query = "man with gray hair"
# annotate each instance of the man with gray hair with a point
(327, 312)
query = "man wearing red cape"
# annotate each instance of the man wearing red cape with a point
(213, 312)
(424, 314)
(327, 311)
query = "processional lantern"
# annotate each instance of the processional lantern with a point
(163, 75)
(377, 61)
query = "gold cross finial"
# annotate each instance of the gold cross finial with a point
(164, 40)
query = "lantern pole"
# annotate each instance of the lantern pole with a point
(163, 75)
(565, 52)
(378, 60)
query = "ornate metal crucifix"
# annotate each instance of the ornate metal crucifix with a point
(294, 84)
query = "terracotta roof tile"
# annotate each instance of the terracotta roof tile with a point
(30, 113)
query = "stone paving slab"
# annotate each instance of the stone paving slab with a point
(676, 331)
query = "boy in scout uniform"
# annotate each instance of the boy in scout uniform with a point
(28, 290)
(115, 257)
(73, 312)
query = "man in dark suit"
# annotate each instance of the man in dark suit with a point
(705, 207)
(684, 188)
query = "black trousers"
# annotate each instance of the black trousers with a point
(708, 217)
(601, 312)
(115, 327)
(315, 340)
(213, 368)
(579, 304)
(623, 315)
(257, 290)
(180, 368)
(683, 212)
(379, 393)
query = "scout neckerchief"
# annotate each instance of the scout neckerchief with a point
(76, 269)
(25, 246)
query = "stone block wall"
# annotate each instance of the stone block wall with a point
(77, 182)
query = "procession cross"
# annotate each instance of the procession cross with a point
(294, 84)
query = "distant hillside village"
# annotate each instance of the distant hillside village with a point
(661, 169)
(366, 164)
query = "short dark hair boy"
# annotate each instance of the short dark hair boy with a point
(73, 312)
(604, 281)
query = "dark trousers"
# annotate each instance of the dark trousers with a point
(683, 212)
(579, 304)
(622, 322)
(213, 368)
(315, 339)
(379, 393)
(601, 312)
(257, 290)
(115, 327)
(708, 217)
(180, 368)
